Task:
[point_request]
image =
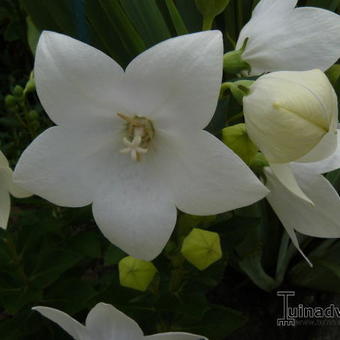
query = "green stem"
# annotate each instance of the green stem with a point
(207, 23)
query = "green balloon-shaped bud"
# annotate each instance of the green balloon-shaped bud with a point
(236, 138)
(202, 248)
(210, 9)
(136, 274)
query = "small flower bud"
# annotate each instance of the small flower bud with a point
(32, 115)
(202, 248)
(18, 91)
(211, 8)
(236, 138)
(258, 163)
(292, 116)
(10, 101)
(136, 274)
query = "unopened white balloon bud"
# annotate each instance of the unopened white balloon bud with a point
(292, 116)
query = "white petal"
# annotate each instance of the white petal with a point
(285, 175)
(283, 38)
(134, 208)
(3, 161)
(105, 322)
(77, 84)
(176, 83)
(175, 336)
(15, 190)
(329, 164)
(208, 178)
(320, 220)
(68, 324)
(65, 166)
(323, 150)
(267, 6)
(5, 207)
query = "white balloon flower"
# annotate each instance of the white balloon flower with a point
(7, 187)
(282, 37)
(292, 117)
(319, 220)
(132, 142)
(105, 322)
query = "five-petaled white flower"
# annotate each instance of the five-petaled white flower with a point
(104, 322)
(132, 142)
(7, 187)
(319, 220)
(282, 37)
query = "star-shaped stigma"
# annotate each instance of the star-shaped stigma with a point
(133, 147)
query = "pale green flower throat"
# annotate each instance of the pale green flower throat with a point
(139, 132)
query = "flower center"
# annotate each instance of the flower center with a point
(139, 132)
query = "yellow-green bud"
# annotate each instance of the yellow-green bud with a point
(211, 8)
(258, 163)
(202, 248)
(292, 116)
(136, 274)
(236, 138)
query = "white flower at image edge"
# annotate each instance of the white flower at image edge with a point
(319, 220)
(132, 142)
(282, 37)
(105, 322)
(7, 187)
(292, 117)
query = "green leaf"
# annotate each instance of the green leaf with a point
(113, 31)
(176, 18)
(51, 15)
(33, 35)
(212, 327)
(113, 255)
(191, 16)
(54, 264)
(87, 244)
(148, 20)
(72, 295)
(325, 275)
(15, 301)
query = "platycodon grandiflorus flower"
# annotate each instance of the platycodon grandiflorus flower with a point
(132, 142)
